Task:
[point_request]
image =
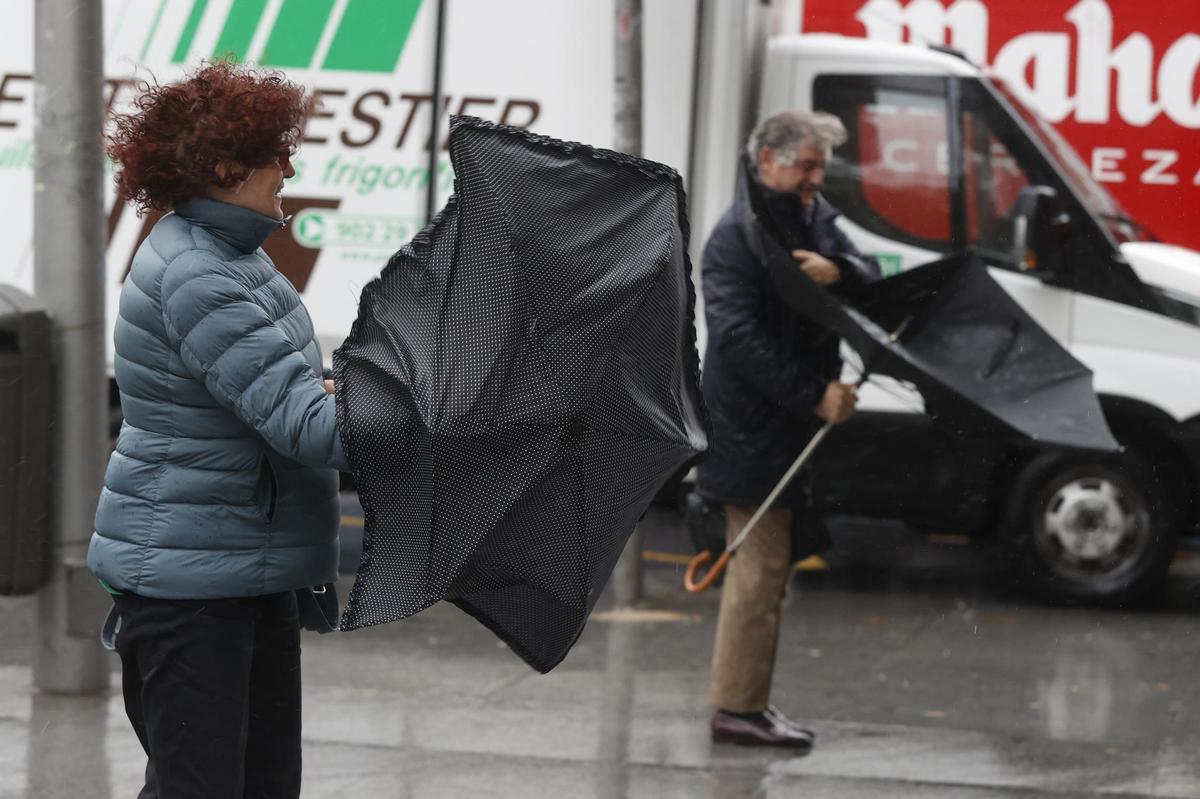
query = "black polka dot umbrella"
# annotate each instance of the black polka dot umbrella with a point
(520, 382)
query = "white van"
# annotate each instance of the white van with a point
(942, 157)
(938, 159)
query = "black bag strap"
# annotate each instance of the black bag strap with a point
(318, 608)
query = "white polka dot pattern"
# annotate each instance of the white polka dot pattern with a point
(520, 382)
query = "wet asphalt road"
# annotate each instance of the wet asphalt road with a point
(925, 672)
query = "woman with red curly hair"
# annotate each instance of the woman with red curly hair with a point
(221, 498)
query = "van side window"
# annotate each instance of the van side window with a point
(996, 167)
(892, 176)
(994, 181)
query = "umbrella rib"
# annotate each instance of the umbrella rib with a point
(633, 314)
(580, 525)
(543, 361)
(865, 377)
(526, 294)
(632, 437)
(536, 342)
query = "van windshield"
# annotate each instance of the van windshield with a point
(1075, 173)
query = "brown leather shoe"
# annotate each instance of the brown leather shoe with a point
(759, 729)
(775, 715)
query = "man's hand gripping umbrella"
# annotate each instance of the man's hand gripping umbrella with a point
(692, 579)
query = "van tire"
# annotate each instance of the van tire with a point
(1090, 528)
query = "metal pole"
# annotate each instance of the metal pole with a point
(68, 235)
(627, 138)
(726, 92)
(435, 150)
(616, 710)
(627, 66)
(72, 729)
(699, 37)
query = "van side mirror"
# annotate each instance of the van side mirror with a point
(1038, 228)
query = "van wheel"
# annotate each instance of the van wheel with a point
(1091, 528)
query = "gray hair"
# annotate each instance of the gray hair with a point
(782, 133)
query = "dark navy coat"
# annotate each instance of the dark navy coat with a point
(765, 366)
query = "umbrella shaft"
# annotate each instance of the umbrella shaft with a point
(782, 484)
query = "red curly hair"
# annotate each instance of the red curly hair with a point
(167, 149)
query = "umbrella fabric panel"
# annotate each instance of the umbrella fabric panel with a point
(584, 283)
(520, 382)
(647, 387)
(546, 518)
(479, 479)
(537, 605)
(957, 325)
(631, 471)
(512, 610)
(436, 510)
(438, 336)
(487, 369)
(962, 321)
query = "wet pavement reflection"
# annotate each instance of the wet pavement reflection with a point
(923, 670)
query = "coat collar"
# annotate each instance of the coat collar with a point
(241, 227)
(785, 210)
(787, 207)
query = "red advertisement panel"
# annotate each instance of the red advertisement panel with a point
(1118, 78)
(905, 175)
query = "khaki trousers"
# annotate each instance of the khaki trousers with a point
(748, 622)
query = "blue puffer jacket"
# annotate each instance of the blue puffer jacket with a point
(223, 483)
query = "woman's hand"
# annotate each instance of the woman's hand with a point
(329, 387)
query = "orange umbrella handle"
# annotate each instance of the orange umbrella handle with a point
(689, 578)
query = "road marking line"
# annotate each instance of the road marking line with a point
(813, 563)
(998, 618)
(675, 558)
(636, 616)
(949, 538)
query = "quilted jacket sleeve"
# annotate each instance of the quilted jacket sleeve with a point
(227, 341)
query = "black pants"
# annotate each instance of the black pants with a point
(212, 688)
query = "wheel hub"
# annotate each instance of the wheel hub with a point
(1090, 519)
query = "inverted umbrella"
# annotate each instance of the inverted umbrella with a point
(521, 381)
(949, 329)
(952, 331)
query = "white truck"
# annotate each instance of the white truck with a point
(940, 157)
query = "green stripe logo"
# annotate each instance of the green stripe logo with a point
(370, 35)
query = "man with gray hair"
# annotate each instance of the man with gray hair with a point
(771, 378)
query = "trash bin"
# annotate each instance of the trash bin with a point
(25, 408)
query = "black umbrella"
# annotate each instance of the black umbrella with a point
(520, 382)
(950, 330)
